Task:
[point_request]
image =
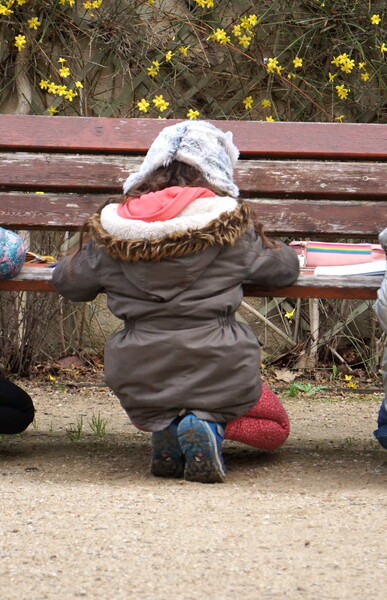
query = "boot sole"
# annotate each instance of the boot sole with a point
(203, 460)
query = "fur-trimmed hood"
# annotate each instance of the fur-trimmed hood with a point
(205, 222)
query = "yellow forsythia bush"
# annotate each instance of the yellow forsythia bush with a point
(313, 60)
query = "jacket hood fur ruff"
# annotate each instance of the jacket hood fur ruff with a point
(203, 223)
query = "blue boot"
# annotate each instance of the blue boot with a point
(201, 443)
(381, 432)
(167, 456)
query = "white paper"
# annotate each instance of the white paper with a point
(378, 267)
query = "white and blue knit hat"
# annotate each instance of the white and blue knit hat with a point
(196, 143)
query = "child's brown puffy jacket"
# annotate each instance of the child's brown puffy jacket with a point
(181, 348)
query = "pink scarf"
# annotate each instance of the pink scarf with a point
(162, 205)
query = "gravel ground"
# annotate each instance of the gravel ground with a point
(85, 519)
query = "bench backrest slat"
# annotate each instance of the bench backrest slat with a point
(324, 140)
(289, 178)
(281, 217)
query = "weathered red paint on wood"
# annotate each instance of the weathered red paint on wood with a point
(320, 219)
(297, 193)
(335, 140)
(283, 217)
(290, 178)
(48, 211)
(356, 287)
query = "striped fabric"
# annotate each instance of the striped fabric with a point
(358, 249)
(330, 254)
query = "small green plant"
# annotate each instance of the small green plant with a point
(348, 442)
(98, 425)
(335, 373)
(305, 388)
(74, 433)
(61, 387)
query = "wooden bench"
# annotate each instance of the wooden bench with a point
(303, 180)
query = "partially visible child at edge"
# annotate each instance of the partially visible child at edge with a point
(16, 407)
(172, 258)
(380, 308)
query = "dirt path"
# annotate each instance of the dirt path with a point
(85, 519)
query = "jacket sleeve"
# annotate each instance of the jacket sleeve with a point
(273, 267)
(380, 306)
(76, 277)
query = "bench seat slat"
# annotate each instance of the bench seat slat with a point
(357, 140)
(103, 173)
(307, 285)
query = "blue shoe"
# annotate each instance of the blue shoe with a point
(201, 443)
(167, 456)
(381, 432)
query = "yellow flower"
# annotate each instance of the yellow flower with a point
(52, 88)
(350, 383)
(339, 118)
(153, 71)
(246, 23)
(20, 42)
(220, 36)
(78, 84)
(64, 72)
(70, 95)
(162, 107)
(253, 20)
(375, 19)
(5, 11)
(290, 315)
(52, 110)
(168, 55)
(347, 66)
(269, 118)
(297, 62)
(265, 103)
(156, 64)
(361, 65)
(143, 105)
(193, 114)
(237, 31)
(342, 92)
(61, 60)
(160, 103)
(33, 23)
(331, 77)
(365, 76)
(61, 90)
(291, 75)
(184, 50)
(383, 47)
(43, 84)
(245, 40)
(248, 102)
(344, 62)
(273, 66)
